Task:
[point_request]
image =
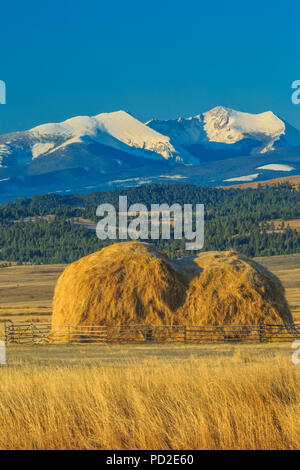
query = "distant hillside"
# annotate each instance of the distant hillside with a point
(293, 180)
(59, 229)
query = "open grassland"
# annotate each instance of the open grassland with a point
(294, 180)
(167, 396)
(294, 224)
(26, 291)
(150, 397)
(287, 269)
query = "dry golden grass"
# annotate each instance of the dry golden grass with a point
(294, 224)
(132, 283)
(237, 401)
(28, 289)
(287, 269)
(294, 180)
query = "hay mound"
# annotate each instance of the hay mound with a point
(228, 288)
(132, 283)
(125, 283)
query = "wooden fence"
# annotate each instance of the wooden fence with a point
(42, 333)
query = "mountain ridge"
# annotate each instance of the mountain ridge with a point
(115, 149)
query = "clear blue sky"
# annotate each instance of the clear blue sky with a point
(152, 58)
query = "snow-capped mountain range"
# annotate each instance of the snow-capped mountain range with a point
(118, 130)
(222, 128)
(115, 149)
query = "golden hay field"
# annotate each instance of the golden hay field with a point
(167, 396)
(287, 269)
(139, 397)
(27, 291)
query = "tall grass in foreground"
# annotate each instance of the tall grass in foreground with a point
(152, 405)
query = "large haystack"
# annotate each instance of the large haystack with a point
(125, 283)
(132, 283)
(228, 288)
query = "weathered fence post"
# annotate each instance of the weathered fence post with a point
(12, 335)
(5, 333)
(184, 335)
(261, 333)
(32, 332)
(149, 333)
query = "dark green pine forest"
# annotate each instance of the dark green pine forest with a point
(45, 228)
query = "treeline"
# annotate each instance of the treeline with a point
(263, 203)
(46, 241)
(234, 219)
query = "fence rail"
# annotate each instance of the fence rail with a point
(42, 333)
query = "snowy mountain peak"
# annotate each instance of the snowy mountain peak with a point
(263, 123)
(118, 130)
(223, 127)
(229, 126)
